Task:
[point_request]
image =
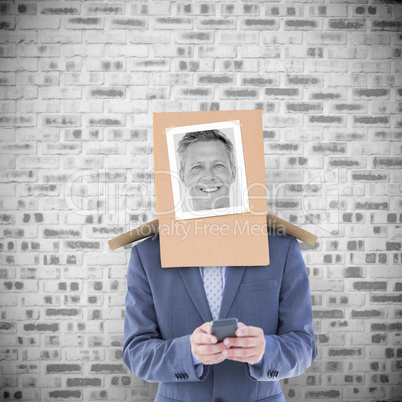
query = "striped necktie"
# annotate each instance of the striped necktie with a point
(213, 289)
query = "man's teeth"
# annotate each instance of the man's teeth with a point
(209, 189)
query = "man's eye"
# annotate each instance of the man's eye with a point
(196, 167)
(219, 165)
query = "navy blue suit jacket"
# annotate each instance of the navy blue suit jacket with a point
(164, 307)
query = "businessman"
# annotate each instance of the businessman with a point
(167, 335)
(207, 169)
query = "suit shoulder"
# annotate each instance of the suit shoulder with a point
(282, 246)
(149, 246)
(277, 239)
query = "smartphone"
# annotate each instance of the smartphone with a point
(225, 328)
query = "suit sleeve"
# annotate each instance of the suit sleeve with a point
(144, 352)
(293, 349)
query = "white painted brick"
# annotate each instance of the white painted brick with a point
(19, 36)
(114, 326)
(60, 93)
(358, 38)
(131, 79)
(60, 37)
(33, 50)
(154, 8)
(8, 300)
(77, 272)
(144, 37)
(117, 50)
(370, 66)
(282, 66)
(82, 78)
(230, 37)
(89, 106)
(128, 107)
(216, 52)
(326, 66)
(38, 22)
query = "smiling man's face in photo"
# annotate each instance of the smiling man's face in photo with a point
(208, 175)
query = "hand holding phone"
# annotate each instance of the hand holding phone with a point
(225, 328)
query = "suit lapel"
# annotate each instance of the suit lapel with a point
(193, 282)
(234, 275)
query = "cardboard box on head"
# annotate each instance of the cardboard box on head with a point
(210, 187)
(152, 228)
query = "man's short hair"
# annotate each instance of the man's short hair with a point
(204, 136)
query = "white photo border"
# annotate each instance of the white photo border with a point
(181, 214)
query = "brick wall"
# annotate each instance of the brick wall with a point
(79, 83)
